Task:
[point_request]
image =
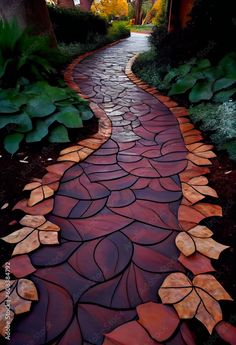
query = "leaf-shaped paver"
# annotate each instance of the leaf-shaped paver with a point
(196, 189)
(151, 327)
(153, 317)
(75, 153)
(19, 299)
(38, 193)
(201, 150)
(36, 230)
(199, 239)
(195, 299)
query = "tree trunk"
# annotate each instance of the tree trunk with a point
(29, 13)
(138, 7)
(85, 5)
(66, 3)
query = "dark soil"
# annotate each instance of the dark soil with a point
(223, 180)
(16, 171)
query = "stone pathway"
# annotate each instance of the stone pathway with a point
(118, 215)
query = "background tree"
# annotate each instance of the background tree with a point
(156, 13)
(111, 8)
(138, 8)
(66, 3)
(85, 5)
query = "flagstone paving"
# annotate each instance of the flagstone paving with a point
(118, 215)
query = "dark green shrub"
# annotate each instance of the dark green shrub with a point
(24, 55)
(220, 122)
(202, 81)
(39, 111)
(118, 30)
(73, 25)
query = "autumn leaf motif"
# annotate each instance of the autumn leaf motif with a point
(196, 189)
(75, 153)
(199, 239)
(38, 193)
(21, 294)
(198, 298)
(201, 150)
(36, 230)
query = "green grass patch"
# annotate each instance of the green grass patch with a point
(141, 28)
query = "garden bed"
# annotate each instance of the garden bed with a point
(222, 178)
(18, 170)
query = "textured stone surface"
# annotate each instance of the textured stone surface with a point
(117, 211)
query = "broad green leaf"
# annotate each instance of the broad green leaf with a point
(22, 121)
(36, 88)
(201, 91)
(40, 131)
(213, 73)
(8, 107)
(173, 73)
(70, 117)
(224, 96)
(223, 83)
(184, 69)
(40, 106)
(182, 85)
(59, 134)
(203, 63)
(228, 63)
(86, 114)
(56, 93)
(12, 142)
(65, 103)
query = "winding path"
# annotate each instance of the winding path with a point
(117, 211)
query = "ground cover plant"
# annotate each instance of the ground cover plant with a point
(30, 108)
(38, 110)
(196, 65)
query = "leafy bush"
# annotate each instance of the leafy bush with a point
(197, 78)
(146, 68)
(220, 121)
(203, 81)
(73, 25)
(24, 55)
(118, 30)
(39, 111)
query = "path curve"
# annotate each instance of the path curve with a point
(117, 211)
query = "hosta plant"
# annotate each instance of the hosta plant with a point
(204, 82)
(39, 111)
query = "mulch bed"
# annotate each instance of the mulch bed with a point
(223, 179)
(16, 171)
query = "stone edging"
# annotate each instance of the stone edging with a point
(35, 229)
(196, 251)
